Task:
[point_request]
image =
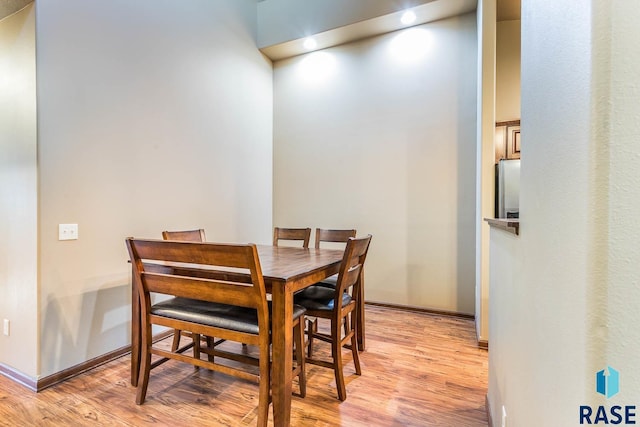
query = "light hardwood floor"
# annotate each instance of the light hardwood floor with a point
(418, 370)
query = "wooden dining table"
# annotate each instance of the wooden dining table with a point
(286, 270)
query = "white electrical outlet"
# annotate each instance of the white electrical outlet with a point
(67, 231)
(504, 417)
(5, 327)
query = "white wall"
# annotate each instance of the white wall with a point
(507, 70)
(538, 316)
(18, 191)
(152, 116)
(620, 151)
(283, 20)
(387, 145)
(567, 305)
(505, 271)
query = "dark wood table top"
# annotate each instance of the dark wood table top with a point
(281, 263)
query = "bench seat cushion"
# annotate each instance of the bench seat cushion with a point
(225, 316)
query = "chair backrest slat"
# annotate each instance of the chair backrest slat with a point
(334, 236)
(215, 254)
(353, 260)
(205, 256)
(351, 276)
(185, 236)
(231, 293)
(301, 234)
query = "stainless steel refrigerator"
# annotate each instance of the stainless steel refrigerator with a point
(508, 189)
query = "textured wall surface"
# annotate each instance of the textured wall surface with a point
(564, 295)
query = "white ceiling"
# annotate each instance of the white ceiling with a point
(9, 7)
(507, 9)
(428, 12)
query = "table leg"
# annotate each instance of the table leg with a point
(135, 331)
(360, 316)
(282, 348)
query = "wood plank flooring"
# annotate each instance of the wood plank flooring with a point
(418, 370)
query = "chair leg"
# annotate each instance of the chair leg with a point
(298, 333)
(336, 350)
(196, 346)
(145, 366)
(176, 339)
(354, 343)
(210, 341)
(264, 389)
(312, 328)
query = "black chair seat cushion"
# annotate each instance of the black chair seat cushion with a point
(329, 282)
(318, 297)
(224, 316)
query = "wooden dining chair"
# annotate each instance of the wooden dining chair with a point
(338, 305)
(332, 236)
(234, 311)
(296, 234)
(327, 236)
(184, 236)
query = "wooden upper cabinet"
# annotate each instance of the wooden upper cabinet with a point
(507, 140)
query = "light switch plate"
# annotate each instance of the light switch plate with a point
(67, 231)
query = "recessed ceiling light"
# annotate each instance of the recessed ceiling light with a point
(310, 43)
(408, 17)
